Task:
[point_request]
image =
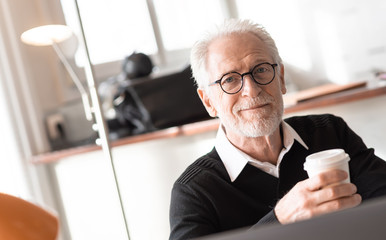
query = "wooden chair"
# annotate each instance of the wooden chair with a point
(22, 220)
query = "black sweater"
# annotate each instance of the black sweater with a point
(205, 201)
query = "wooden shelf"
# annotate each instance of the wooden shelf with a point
(185, 130)
(349, 95)
(344, 95)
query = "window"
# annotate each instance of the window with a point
(113, 28)
(282, 19)
(182, 24)
(116, 28)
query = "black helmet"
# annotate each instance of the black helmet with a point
(137, 65)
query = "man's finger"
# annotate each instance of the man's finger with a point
(333, 192)
(338, 204)
(326, 178)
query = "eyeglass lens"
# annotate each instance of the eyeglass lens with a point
(262, 74)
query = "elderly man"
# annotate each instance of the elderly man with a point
(255, 175)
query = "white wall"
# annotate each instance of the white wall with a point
(146, 172)
(33, 71)
(365, 117)
(338, 41)
(26, 75)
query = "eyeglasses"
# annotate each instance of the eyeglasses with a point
(233, 82)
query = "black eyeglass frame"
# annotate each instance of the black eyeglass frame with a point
(247, 73)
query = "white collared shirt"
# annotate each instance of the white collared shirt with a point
(235, 160)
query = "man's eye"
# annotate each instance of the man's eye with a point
(229, 80)
(260, 70)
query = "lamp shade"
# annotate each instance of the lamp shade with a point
(47, 35)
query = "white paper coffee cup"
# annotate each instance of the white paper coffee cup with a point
(327, 160)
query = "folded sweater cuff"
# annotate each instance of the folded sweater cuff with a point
(269, 218)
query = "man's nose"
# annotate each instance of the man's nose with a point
(250, 88)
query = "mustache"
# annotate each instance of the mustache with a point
(252, 103)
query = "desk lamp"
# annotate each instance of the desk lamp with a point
(64, 42)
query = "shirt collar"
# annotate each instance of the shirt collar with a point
(235, 160)
(289, 135)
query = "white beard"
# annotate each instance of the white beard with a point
(260, 125)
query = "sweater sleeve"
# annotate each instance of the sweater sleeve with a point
(367, 171)
(270, 218)
(189, 216)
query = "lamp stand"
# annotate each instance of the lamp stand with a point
(74, 77)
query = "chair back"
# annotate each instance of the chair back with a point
(22, 220)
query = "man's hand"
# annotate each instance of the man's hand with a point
(317, 195)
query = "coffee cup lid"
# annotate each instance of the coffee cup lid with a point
(326, 158)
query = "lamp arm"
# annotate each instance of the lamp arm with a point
(75, 79)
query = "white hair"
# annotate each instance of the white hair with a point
(199, 52)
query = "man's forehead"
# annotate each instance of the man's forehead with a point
(234, 51)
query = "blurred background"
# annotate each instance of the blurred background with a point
(320, 42)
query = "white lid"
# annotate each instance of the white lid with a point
(326, 158)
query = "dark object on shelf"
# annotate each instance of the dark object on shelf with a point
(157, 103)
(132, 117)
(137, 65)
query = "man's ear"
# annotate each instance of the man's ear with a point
(210, 108)
(282, 80)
